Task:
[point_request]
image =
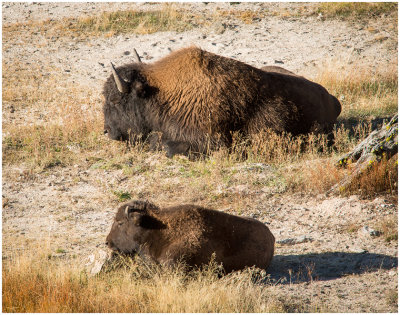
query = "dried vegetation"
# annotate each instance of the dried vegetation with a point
(39, 282)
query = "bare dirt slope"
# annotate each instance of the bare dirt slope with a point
(324, 255)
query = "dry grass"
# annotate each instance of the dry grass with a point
(380, 178)
(362, 94)
(33, 282)
(388, 226)
(111, 23)
(346, 10)
(108, 24)
(316, 176)
(55, 124)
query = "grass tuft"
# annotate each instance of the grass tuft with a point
(34, 283)
(355, 9)
(380, 178)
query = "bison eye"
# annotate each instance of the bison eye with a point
(120, 223)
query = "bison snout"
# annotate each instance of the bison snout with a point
(110, 244)
(105, 131)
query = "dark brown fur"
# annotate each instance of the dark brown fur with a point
(195, 98)
(191, 234)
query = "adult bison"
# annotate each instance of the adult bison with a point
(191, 234)
(195, 100)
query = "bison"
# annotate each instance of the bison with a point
(193, 100)
(190, 234)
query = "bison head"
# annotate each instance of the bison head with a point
(125, 96)
(133, 227)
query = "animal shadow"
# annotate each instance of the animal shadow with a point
(287, 269)
(351, 124)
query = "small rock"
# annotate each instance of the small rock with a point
(279, 61)
(220, 28)
(96, 261)
(369, 231)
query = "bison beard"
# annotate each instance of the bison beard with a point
(190, 234)
(193, 100)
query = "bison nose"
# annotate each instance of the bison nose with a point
(109, 244)
(105, 131)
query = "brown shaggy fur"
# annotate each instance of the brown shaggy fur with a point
(192, 234)
(199, 98)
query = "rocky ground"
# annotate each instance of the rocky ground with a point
(327, 252)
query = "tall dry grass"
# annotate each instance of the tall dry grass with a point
(362, 92)
(380, 177)
(33, 282)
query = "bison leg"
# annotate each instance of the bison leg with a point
(176, 147)
(158, 142)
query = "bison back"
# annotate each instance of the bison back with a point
(237, 242)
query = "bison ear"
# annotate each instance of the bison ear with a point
(140, 88)
(137, 218)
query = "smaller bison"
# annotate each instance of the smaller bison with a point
(190, 234)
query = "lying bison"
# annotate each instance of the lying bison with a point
(195, 100)
(190, 234)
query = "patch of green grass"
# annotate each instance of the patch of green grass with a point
(122, 195)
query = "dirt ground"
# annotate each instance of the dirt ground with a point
(324, 253)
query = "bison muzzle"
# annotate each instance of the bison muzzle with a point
(190, 234)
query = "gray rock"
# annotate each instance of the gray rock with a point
(378, 145)
(369, 231)
(95, 262)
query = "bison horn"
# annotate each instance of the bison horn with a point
(127, 211)
(136, 56)
(122, 85)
